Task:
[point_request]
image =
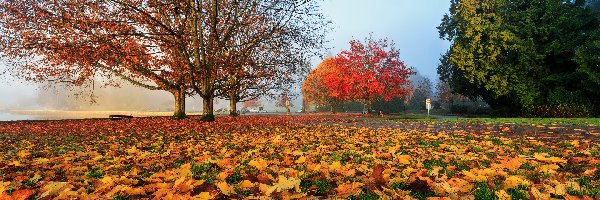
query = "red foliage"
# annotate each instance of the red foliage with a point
(371, 70)
(365, 73)
(323, 85)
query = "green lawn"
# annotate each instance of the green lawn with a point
(529, 121)
(489, 120)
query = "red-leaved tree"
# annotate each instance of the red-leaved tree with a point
(370, 71)
(367, 72)
(324, 87)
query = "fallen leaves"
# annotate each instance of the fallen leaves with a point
(550, 159)
(348, 189)
(225, 188)
(514, 181)
(301, 160)
(260, 164)
(285, 157)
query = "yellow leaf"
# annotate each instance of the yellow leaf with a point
(225, 188)
(473, 177)
(179, 181)
(132, 150)
(549, 169)
(560, 189)
(408, 171)
(287, 183)
(445, 188)
(260, 164)
(502, 195)
(134, 172)
(542, 157)
(222, 175)
(512, 164)
(460, 185)
(106, 183)
(403, 159)
(264, 189)
(348, 189)
(55, 188)
(514, 181)
(134, 191)
(23, 154)
(16, 163)
(314, 167)
(184, 186)
(590, 171)
(184, 170)
(203, 196)
(39, 161)
(4, 186)
(575, 143)
(301, 160)
(335, 166)
(277, 139)
(246, 184)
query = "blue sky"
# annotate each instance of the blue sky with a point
(411, 24)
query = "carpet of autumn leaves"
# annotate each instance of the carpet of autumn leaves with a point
(286, 157)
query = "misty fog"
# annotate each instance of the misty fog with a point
(52, 96)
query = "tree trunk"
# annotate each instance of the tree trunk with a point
(179, 95)
(232, 104)
(287, 109)
(307, 108)
(304, 105)
(207, 109)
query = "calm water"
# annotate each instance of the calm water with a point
(57, 114)
(12, 117)
(5, 116)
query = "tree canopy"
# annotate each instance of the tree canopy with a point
(184, 47)
(367, 72)
(521, 54)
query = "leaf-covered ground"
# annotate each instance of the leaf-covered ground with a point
(285, 157)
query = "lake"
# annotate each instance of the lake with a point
(12, 117)
(62, 114)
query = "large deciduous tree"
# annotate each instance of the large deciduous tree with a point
(518, 54)
(177, 46)
(245, 28)
(76, 41)
(367, 72)
(374, 70)
(323, 87)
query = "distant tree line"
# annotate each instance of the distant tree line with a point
(523, 57)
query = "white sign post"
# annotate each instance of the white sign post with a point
(428, 105)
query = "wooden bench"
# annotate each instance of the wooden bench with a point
(116, 117)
